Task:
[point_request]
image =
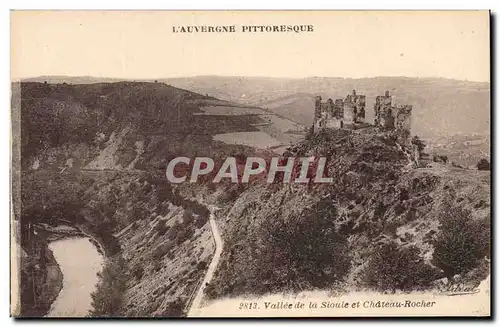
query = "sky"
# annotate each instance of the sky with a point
(135, 45)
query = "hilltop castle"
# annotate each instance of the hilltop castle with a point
(392, 117)
(350, 113)
(341, 113)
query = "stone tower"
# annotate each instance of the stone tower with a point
(360, 108)
(317, 112)
(317, 107)
(383, 111)
(403, 118)
(354, 107)
(329, 108)
(338, 108)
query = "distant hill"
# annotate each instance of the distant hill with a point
(73, 79)
(442, 107)
(162, 117)
(292, 106)
(165, 120)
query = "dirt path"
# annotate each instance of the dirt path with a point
(195, 305)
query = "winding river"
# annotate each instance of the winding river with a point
(80, 262)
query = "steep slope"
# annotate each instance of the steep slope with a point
(381, 225)
(96, 115)
(93, 156)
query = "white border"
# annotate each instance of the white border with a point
(255, 4)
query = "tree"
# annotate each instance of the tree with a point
(161, 227)
(304, 252)
(309, 132)
(461, 242)
(107, 298)
(174, 309)
(392, 267)
(420, 144)
(483, 164)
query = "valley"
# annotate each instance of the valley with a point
(93, 160)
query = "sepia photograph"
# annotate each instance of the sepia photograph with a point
(250, 164)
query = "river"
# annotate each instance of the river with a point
(80, 262)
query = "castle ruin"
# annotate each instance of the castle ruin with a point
(392, 117)
(343, 113)
(350, 113)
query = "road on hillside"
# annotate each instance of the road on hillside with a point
(195, 305)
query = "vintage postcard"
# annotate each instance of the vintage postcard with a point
(250, 164)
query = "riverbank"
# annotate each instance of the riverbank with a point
(80, 276)
(65, 231)
(41, 272)
(55, 278)
(41, 277)
(99, 243)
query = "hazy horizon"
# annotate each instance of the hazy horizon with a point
(244, 76)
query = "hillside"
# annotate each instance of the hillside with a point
(381, 226)
(93, 156)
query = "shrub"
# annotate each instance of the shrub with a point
(161, 250)
(184, 235)
(420, 144)
(440, 158)
(201, 265)
(411, 214)
(398, 268)
(211, 186)
(147, 189)
(161, 228)
(187, 218)
(303, 253)
(172, 233)
(200, 221)
(138, 213)
(174, 309)
(138, 271)
(461, 242)
(232, 193)
(399, 208)
(107, 298)
(483, 164)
